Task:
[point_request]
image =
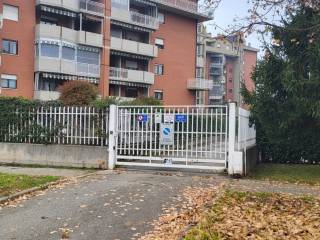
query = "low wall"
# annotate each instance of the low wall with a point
(54, 155)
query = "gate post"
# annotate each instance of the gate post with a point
(112, 136)
(234, 158)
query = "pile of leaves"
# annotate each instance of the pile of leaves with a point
(176, 220)
(243, 215)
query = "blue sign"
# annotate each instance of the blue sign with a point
(166, 131)
(143, 118)
(181, 118)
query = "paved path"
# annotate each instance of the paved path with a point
(44, 171)
(107, 206)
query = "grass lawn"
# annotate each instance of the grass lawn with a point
(244, 215)
(293, 173)
(12, 183)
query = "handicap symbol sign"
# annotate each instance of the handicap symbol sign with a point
(142, 118)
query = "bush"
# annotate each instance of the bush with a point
(105, 102)
(77, 93)
(141, 101)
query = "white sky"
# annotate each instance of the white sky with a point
(224, 16)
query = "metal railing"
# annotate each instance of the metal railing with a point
(57, 125)
(92, 6)
(184, 5)
(131, 75)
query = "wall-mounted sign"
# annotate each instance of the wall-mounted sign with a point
(158, 118)
(142, 118)
(168, 118)
(167, 134)
(181, 118)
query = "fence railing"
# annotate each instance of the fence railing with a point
(57, 125)
(88, 69)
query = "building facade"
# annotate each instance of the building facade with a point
(128, 48)
(228, 62)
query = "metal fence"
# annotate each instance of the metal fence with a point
(58, 125)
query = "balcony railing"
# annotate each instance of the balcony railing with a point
(200, 84)
(86, 69)
(184, 5)
(92, 7)
(134, 47)
(128, 75)
(118, 12)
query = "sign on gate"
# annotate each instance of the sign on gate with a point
(181, 118)
(142, 118)
(166, 134)
(168, 118)
(158, 118)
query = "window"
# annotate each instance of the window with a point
(131, 92)
(88, 57)
(10, 12)
(159, 43)
(158, 95)
(8, 81)
(200, 97)
(48, 20)
(10, 47)
(199, 72)
(159, 69)
(131, 65)
(200, 50)
(49, 50)
(161, 18)
(68, 53)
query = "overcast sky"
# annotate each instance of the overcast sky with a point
(224, 15)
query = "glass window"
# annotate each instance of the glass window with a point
(159, 69)
(199, 72)
(131, 65)
(159, 43)
(10, 47)
(37, 49)
(158, 95)
(10, 12)
(161, 17)
(49, 50)
(68, 53)
(8, 81)
(131, 92)
(88, 57)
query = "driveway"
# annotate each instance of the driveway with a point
(108, 205)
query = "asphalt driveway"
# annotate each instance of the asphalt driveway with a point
(108, 205)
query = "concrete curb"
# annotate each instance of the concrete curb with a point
(42, 187)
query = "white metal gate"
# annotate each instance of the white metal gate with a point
(172, 136)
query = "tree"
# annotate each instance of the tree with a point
(286, 103)
(76, 93)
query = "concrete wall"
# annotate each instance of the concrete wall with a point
(54, 155)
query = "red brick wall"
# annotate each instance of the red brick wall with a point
(250, 61)
(229, 85)
(178, 57)
(21, 65)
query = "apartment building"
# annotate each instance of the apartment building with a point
(128, 48)
(228, 62)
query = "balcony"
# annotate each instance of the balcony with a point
(70, 35)
(56, 65)
(200, 61)
(133, 47)
(127, 75)
(92, 7)
(135, 18)
(200, 84)
(72, 5)
(46, 95)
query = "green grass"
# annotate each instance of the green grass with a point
(12, 183)
(293, 173)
